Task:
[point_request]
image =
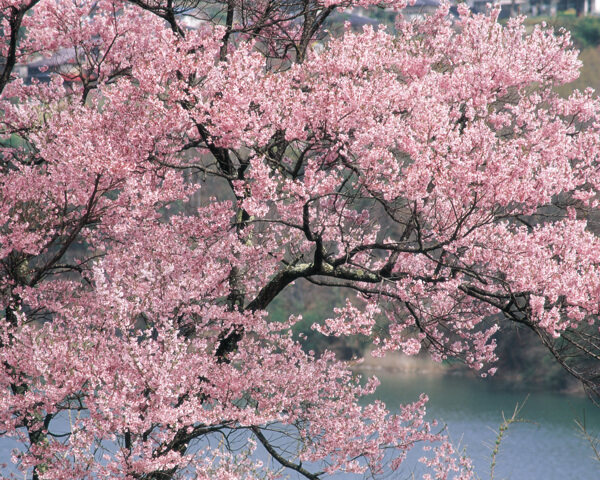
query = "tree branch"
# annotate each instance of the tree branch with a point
(282, 460)
(15, 20)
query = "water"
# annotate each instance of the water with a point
(548, 447)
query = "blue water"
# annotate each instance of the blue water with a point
(547, 446)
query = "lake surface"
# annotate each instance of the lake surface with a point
(549, 447)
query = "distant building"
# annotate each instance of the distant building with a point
(511, 8)
(508, 8)
(420, 8)
(40, 69)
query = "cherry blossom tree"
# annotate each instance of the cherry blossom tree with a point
(190, 160)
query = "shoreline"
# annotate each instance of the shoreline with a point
(395, 363)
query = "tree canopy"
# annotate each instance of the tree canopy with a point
(176, 165)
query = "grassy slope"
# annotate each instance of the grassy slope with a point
(590, 72)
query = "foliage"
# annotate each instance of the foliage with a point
(525, 364)
(317, 305)
(585, 33)
(434, 171)
(585, 30)
(590, 73)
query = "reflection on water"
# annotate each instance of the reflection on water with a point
(547, 447)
